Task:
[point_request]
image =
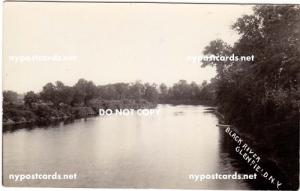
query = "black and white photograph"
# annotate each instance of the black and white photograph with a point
(150, 95)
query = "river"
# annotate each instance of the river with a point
(159, 151)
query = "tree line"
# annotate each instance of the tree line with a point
(84, 91)
(57, 102)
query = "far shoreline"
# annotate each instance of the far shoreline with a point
(28, 124)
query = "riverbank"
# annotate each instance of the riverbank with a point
(42, 114)
(277, 155)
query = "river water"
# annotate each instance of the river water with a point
(159, 151)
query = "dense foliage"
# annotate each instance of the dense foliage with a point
(58, 101)
(185, 93)
(263, 96)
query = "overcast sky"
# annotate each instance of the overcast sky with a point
(112, 42)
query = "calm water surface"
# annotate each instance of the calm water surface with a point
(124, 151)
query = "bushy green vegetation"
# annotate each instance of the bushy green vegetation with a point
(185, 93)
(60, 102)
(262, 97)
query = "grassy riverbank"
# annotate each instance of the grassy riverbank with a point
(46, 113)
(58, 102)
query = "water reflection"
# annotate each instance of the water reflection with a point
(125, 151)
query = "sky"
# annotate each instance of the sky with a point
(111, 43)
